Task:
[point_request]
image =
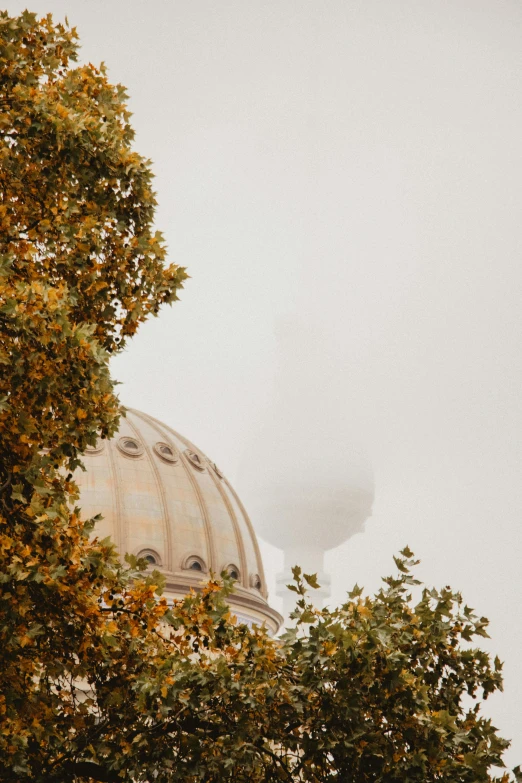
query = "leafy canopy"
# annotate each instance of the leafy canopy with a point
(100, 679)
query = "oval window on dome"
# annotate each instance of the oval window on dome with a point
(165, 452)
(194, 563)
(195, 459)
(216, 470)
(130, 447)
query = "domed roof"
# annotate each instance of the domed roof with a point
(163, 499)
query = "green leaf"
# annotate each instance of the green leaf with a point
(311, 579)
(401, 565)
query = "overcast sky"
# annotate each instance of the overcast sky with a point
(349, 171)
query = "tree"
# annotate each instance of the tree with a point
(99, 678)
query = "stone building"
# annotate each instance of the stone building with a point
(163, 499)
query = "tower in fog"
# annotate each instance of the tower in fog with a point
(306, 480)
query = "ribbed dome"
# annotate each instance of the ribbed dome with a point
(163, 499)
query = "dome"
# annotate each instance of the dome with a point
(163, 499)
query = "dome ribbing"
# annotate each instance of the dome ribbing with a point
(163, 499)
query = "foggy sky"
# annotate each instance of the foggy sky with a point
(353, 167)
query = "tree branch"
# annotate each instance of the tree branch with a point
(6, 484)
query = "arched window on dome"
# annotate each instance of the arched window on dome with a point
(194, 563)
(152, 557)
(255, 581)
(233, 571)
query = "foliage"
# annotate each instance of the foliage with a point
(100, 679)
(387, 680)
(80, 268)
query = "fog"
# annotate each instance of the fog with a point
(347, 173)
